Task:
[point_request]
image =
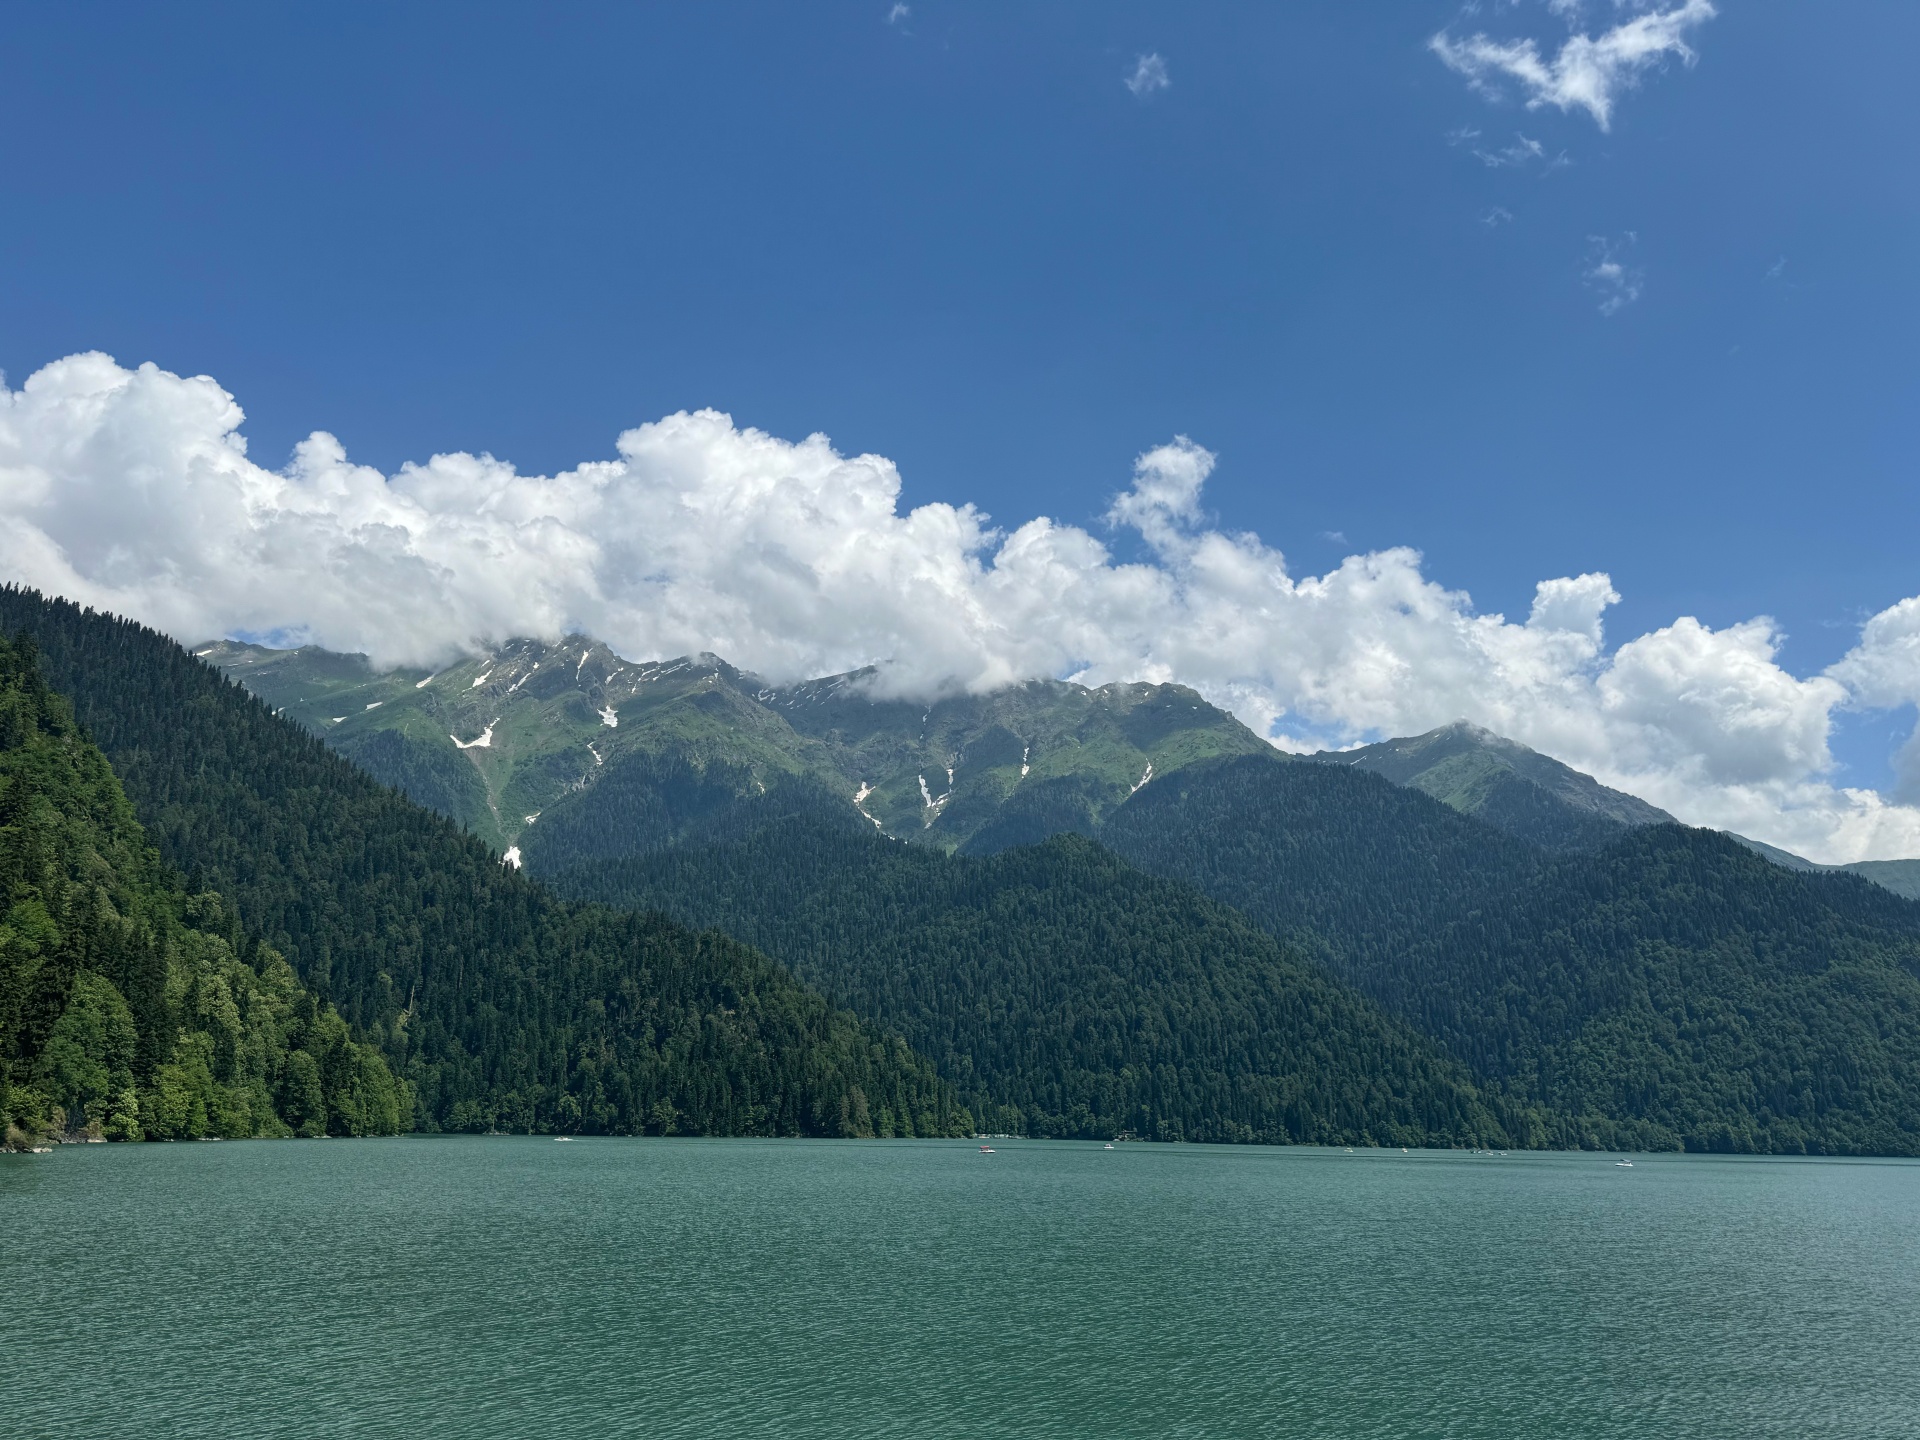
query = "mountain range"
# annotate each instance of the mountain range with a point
(533, 739)
(733, 907)
(601, 752)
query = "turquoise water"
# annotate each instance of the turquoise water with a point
(520, 1287)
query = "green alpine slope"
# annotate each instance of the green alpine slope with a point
(1062, 991)
(1669, 989)
(1505, 784)
(556, 748)
(129, 1009)
(1537, 799)
(502, 1006)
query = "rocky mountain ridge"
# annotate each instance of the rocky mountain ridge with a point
(529, 731)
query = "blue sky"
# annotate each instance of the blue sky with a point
(959, 238)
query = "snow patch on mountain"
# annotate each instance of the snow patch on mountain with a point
(485, 742)
(934, 802)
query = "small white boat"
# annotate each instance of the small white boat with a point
(987, 1150)
(1624, 1164)
(562, 1139)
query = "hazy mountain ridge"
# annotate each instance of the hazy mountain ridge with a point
(1900, 876)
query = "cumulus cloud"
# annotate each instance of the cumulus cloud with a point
(1589, 72)
(1165, 497)
(1883, 672)
(132, 490)
(1149, 74)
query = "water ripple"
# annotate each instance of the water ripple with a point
(508, 1287)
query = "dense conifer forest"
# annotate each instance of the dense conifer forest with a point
(1669, 989)
(1063, 991)
(499, 1005)
(128, 1008)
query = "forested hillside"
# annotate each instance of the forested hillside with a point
(1671, 988)
(129, 1009)
(500, 1005)
(1667, 990)
(1064, 992)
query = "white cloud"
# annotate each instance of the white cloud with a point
(1165, 496)
(1589, 72)
(131, 490)
(1883, 672)
(1617, 283)
(1521, 152)
(1149, 74)
(899, 14)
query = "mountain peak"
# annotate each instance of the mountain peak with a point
(527, 741)
(1503, 782)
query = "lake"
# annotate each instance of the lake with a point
(523, 1287)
